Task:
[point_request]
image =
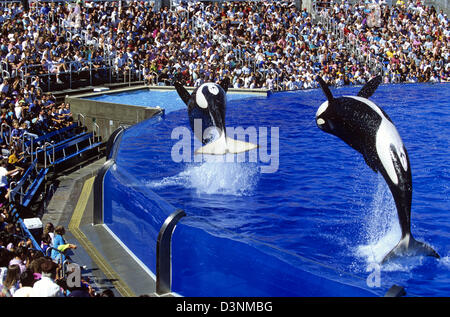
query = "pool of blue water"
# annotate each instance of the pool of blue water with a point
(167, 99)
(315, 223)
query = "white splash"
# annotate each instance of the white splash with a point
(382, 228)
(213, 177)
(445, 262)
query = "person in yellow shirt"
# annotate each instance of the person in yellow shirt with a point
(15, 159)
(389, 54)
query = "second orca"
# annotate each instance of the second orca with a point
(365, 127)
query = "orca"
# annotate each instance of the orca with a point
(366, 128)
(208, 104)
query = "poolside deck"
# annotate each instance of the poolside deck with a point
(108, 264)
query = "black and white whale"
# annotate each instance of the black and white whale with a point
(364, 126)
(208, 104)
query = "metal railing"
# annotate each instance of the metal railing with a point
(351, 43)
(61, 262)
(75, 72)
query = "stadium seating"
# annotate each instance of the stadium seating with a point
(67, 145)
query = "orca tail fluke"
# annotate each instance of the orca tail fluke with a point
(408, 246)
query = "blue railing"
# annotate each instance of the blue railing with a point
(28, 186)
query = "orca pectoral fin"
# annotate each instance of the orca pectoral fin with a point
(211, 148)
(236, 146)
(222, 146)
(370, 87)
(326, 90)
(182, 92)
(408, 246)
(216, 147)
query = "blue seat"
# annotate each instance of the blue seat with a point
(63, 144)
(24, 181)
(75, 146)
(32, 190)
(48, 136)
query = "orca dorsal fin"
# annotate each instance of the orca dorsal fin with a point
(182, 92)
(370, 87)
(325, 88)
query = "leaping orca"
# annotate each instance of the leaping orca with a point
(208, 103)
(364, 126)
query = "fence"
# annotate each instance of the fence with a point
(443, 5)
(74, 74)
(82, 72)
(107, 67)
(351, 43)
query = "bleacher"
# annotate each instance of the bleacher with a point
(49, 156)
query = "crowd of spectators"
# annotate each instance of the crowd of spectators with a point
(28, 272)
(409, 41)
(258, 44)
(26, 114)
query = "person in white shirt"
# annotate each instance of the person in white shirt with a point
(46, 286)
(4, 173)
(4, 87)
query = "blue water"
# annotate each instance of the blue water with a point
(167, 99)
(315, 226)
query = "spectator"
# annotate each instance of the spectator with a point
(4, 174)
(26, 283)
(5, 257)
(46, 286)
(46, 242)
(35, 266)
(11, 282)
(20, 255)
(60, 244)
(49, 230)
(251, 36)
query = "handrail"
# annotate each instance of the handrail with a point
(60, 258)
(71, 69)
(31, 138)
(19, 185)
(28, 233)
(84, 119)
(12, 191)
(164, 253)
(46, 144)
(96, 130)
(37, 152)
